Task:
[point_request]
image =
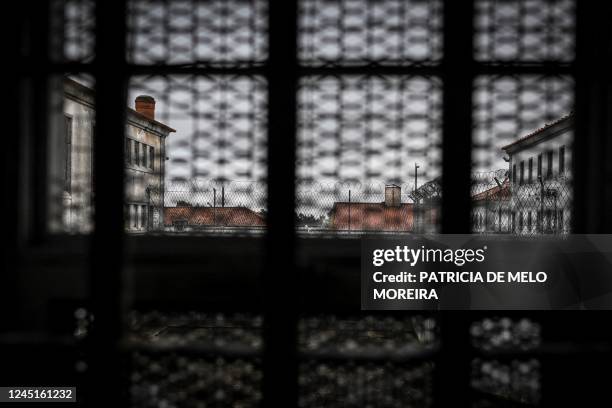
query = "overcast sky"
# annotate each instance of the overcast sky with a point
(355, 130)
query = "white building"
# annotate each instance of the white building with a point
(540, 179)
(72, 162)
(491, 209)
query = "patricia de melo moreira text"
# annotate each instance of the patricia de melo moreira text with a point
(422, 255)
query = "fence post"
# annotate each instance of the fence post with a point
(540, 178)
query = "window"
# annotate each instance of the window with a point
(522, 174)
(530, 179)
(356, 39)
(137, 153)
(561, 160)
(151, 158)
(549, 164)
(145, 155)
(134, 215)
(539, 166)
(143, 217)
(128, 151)
(67, 153)
(529, 221)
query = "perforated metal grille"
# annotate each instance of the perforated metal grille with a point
(367, 335)
(507, 108)
(369, 32)
(506, 333)
(524, 30)
(214, 165)
(517, 380)
(220, 124)
(522, 152)
(371, 384)
(359, 133)
(179, 380)
(196, 31)
(73, 25)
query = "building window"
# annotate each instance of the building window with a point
(151, 158)
(522, 173)
(529, 221)
(562, 160)
(128, 151)
(143, 217)
(145, 155)
(530, 174)
(134, 216)
(540, 166)
(144, 160)
(137, 153)
(549, 164)
(514, 173)
(67, 153)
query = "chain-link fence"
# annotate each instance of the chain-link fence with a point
(523, 206)
(209, 207)
(499, 205)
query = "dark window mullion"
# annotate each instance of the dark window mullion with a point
(280, 275)
(592, 147)
(453, 368)
(107, 243)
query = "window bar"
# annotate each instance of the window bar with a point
(592, 147)
(280, 363)
(452, 378)
(107, 244)
(37, 132)
(12, 106)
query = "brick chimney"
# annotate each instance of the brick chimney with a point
(145, 105)
(393, 195)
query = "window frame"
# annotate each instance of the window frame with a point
(281, 69)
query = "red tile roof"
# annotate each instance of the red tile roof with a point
(371, 216)
(219, 216)
(495, 193)
(538, 131)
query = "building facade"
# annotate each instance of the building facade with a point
(388, 215)
(491, 209)
(540, 179)
(145, 155)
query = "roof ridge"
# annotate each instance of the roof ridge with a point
(540, 129)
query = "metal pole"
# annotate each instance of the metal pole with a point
(541, 204)
(416, 201)
(214, 207)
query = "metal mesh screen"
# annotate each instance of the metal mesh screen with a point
(523, 137)
(194, 358)
(195, 31)
(72, 25)
(369, 32)
(214, 165)
(524, 30)
(357, 135)
(517, 379)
